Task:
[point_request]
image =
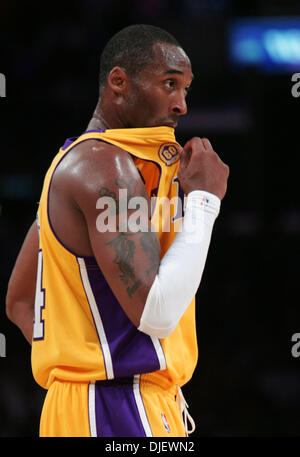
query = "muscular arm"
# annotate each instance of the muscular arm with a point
(129, 259)
(154, 294)
(21, 288)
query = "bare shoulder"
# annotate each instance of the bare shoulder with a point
(90, 159)
(93, 166)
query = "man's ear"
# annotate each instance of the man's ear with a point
(117, 80)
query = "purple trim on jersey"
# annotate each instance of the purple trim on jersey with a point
(132, 352)
(96, 130)
(71, 140)
(68, 142)
(117, 414)
(79, 269)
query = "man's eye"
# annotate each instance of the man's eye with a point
(170, 83)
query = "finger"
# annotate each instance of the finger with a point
(206, 143)
(180, 149)
(185, 156)
(194, 145)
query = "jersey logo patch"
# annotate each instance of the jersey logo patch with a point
(168, 153)
(165, 422)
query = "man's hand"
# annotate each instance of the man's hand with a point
(21, 288)
(202, 169)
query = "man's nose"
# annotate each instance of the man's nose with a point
(179, 106)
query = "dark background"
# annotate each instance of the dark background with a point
(247, 383)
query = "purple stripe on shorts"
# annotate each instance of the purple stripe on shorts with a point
(132, 351)
(116, 410)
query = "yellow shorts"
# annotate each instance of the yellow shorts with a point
(127, 408)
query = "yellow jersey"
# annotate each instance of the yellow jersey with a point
(81, 332)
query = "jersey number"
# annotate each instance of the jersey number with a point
(179, 211)
(39, 303)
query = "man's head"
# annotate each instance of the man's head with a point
(132, 49)
(144, 76)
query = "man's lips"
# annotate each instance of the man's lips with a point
(167, 122)
(170, 123)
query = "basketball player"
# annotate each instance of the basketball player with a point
(111, 313)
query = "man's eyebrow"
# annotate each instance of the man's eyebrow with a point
(173, 71)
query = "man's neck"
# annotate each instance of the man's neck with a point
(98, 122)
(104, 117)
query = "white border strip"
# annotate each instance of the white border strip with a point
(97, 319)
(140, 405)
(159, 352)
(92, 409)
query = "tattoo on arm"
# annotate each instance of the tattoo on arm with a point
(124, 245)
(123, 184)
(124, 248)
(105, 192)
(150, 245)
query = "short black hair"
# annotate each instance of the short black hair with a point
(132, 49)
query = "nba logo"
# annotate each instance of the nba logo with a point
(164, 419)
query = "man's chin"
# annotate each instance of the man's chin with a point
(159, 124)
(173, 125)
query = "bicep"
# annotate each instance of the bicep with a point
(22, 282)
(127, 251)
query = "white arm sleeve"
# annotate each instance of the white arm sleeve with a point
(181, 268)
